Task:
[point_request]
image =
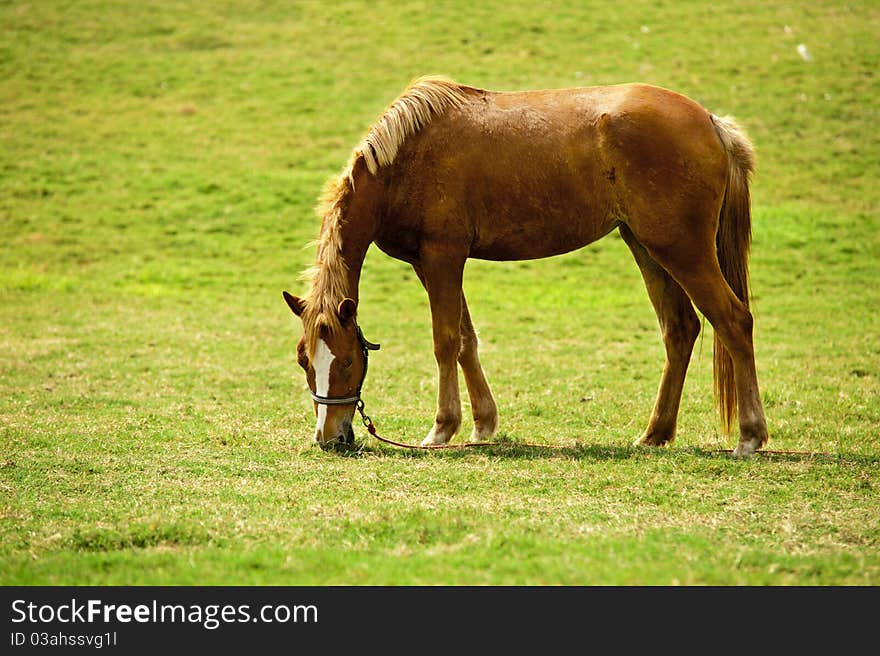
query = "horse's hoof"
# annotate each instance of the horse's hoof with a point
(744, 450)
(435, 438)
(481, 435)
(653, 440)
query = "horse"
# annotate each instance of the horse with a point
(450, 172)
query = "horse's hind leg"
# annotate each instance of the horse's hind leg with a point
(694, 265)
(482, 404)
(679, 326)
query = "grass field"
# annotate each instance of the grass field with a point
(158, 170)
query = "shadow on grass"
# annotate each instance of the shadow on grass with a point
(600, 452)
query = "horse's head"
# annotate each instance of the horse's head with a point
(333, 353)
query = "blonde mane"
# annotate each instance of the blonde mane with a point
(414, 109)
(425, 98)
(328, 276)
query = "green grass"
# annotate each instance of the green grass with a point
(158, 169)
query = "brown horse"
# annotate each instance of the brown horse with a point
(450, 172)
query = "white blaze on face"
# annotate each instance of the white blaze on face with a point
(323, 360)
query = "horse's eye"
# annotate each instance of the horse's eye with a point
(347, 364)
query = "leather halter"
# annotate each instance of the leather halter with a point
(366, 347)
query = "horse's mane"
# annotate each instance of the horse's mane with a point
(424, 99)
(327, 277)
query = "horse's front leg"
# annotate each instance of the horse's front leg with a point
(442, 277)
(482, 403)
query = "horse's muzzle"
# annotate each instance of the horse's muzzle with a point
(341, 442)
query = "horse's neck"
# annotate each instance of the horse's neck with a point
(347, 233)
(340, 268)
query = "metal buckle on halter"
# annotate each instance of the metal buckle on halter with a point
(366, 347)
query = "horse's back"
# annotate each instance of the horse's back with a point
(637, 125)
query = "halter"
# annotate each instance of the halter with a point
(366, 347)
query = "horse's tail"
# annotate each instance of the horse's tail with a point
(732, 242)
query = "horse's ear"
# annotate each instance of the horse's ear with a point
(295, 304)
(347, 309)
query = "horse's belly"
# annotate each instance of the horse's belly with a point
(539, 232)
